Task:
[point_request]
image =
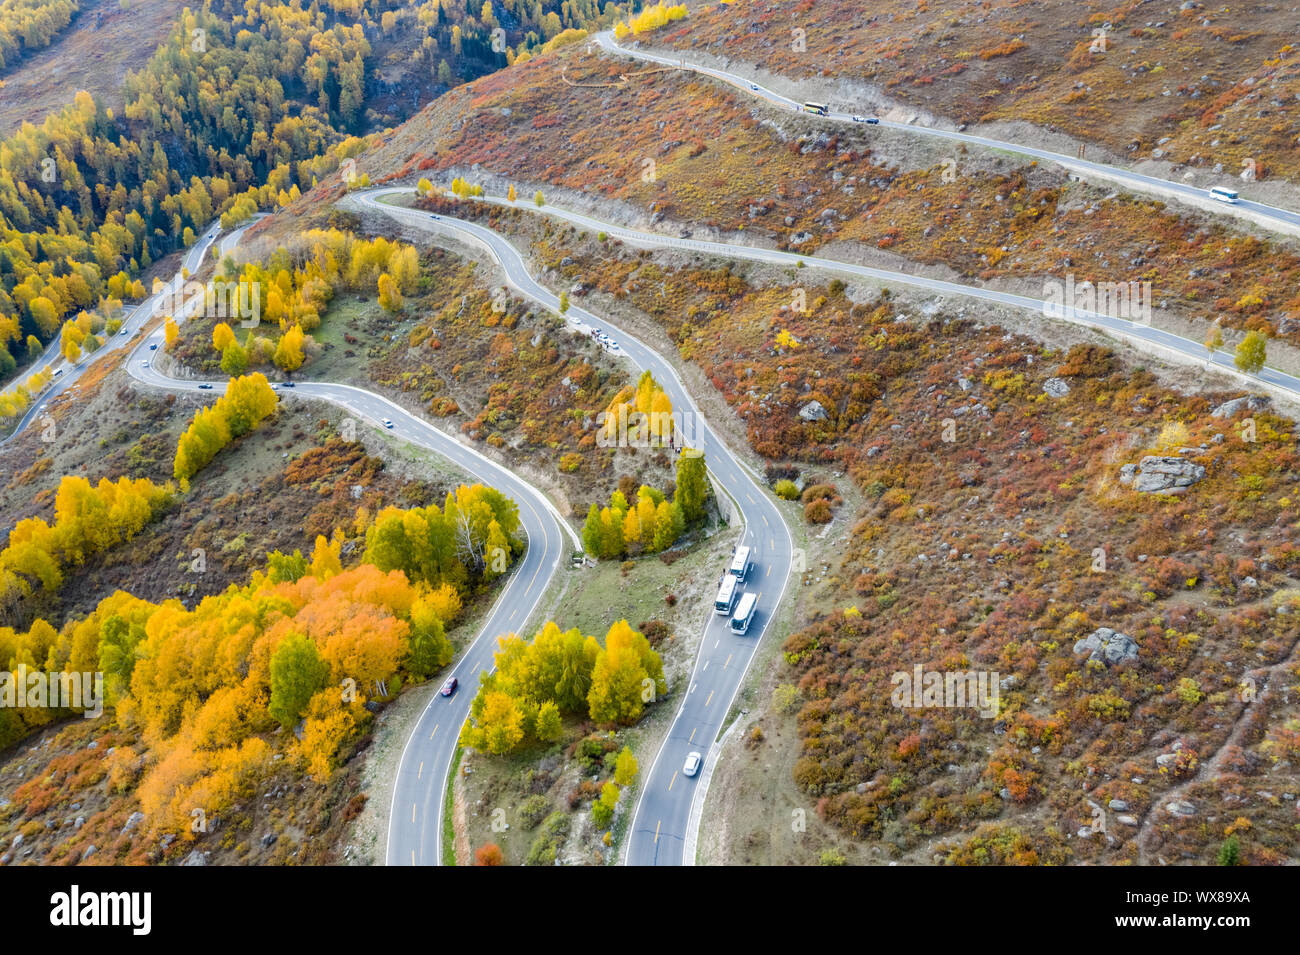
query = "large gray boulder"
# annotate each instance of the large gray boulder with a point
(812, 411)
(1164, 475)
(1248, 402)
(1108, 646)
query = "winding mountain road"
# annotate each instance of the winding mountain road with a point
(416, 811)
(1283, 219)
(415, 815)
(666, 818)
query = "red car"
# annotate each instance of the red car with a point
(449, 687)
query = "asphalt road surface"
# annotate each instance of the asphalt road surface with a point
(1182, 349)
(666, 818)
(131, 326)
(421, 778)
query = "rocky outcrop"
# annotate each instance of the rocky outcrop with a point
(1108, 646)
(813, 411)
(1247, 402)
(1164, 475)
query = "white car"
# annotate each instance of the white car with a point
(692, 764)
(144, 364)
(388, 424)
(125, 331)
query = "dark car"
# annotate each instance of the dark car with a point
(153, 347)
(449, 687)
(872, 121)
(205, 387)
(289, 384)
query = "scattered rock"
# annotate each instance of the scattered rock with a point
(1118, 805)
(132, 821)
(1108, 646)
(813, 411)
(1181, 808)
(1056, 387)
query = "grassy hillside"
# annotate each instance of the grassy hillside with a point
(103, 42)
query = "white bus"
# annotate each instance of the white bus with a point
(1224, 195)
(740, 563)
(726, 598)
(821, 109)
(744, 615)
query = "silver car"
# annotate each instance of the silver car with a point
(692, 764)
